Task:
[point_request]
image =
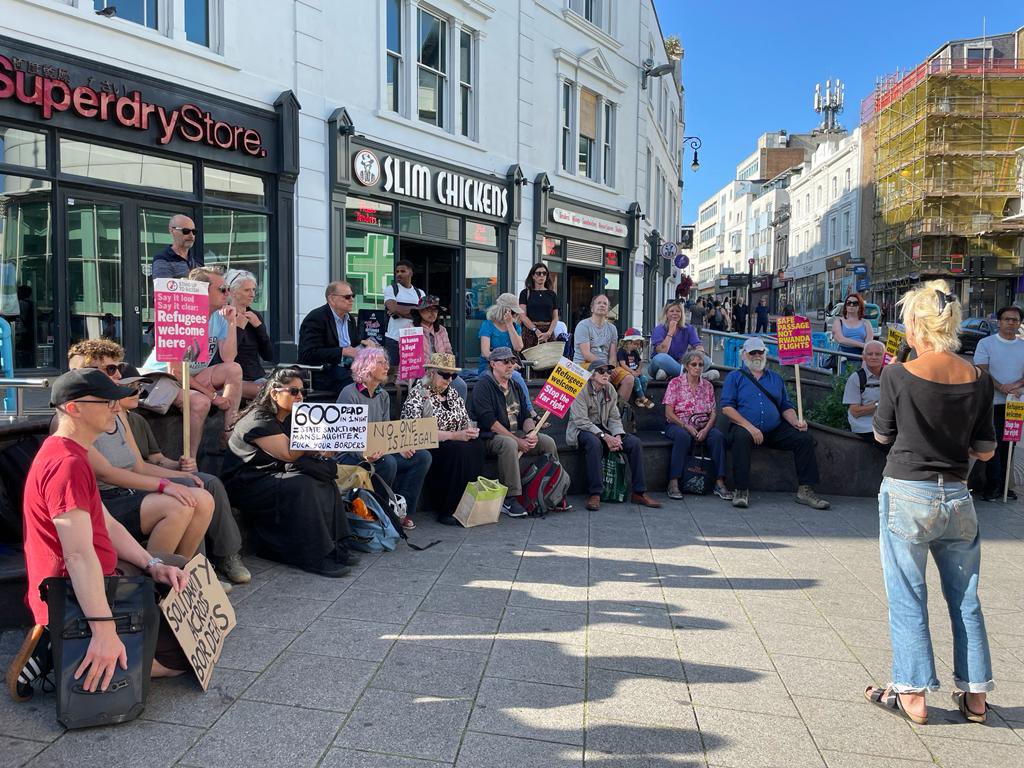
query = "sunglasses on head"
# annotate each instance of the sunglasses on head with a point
(293, 391)
(446, 375)
(187, 230)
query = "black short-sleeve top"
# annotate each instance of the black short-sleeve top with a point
(255, 424)
(540, 305)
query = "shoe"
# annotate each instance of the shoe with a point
(329, 568)
(346, 557)
(514, 509)
(644, 500)
(227, 586)
(805, 495)
(32, 662)
(673, 490)
(960, 699)
(236, 572)
(594, 502)
(723, 493)
(712, 375)
(407, 523)
(562, 506)
(1010, 495)
(448, 520)
(661, 375)
(741, 499)
(988, 496)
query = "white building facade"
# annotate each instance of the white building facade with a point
(316, 141)
(824, 250)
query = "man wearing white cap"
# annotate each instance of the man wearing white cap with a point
(756, 402)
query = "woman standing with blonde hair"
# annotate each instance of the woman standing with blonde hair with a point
(936, 410)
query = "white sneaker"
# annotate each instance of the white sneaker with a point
(712, 375)
(661, 375)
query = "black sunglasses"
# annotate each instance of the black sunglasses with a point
(187, 230)
(756, 352)
(344, 295)
(853, 303)
(110, 370)
(541, 272)
(293, 391)
(223, 289)
(446, 375)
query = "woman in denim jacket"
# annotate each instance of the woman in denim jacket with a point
(936, 410)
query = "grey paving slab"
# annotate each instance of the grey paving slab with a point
(793, 640)
(634, 653)
(823, 678)
(642, 744)
(318, 682)
(291, 582)
(743, 739)
(406, 724)
(852, 760)
(181, 700)
(859, 727)
(486, 601)
(141, 742)
(347, 638)
(280, 612)
(14, 753)
(519, 623)
(529, 710)
(384, 576)
(955, 753)
(630, 619)
(374, 605)
(537, 661)
(447, 630)
(253, 648)
(255, 734)
(33, 720)
(486, 750)
(724, 687)
(617, 695)
(350, 758)
(431, 671)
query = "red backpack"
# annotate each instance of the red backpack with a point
(545, 484)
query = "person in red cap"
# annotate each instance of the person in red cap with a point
(627, 376)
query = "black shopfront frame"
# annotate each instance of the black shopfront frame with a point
(344, 145)
(546, 201)
(31, 74)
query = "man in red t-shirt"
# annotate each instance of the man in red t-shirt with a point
(69, 533)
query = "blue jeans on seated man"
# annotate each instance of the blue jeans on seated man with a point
(594, 450)
(917, 517)
(405, 476)
(683, 441)
(663, 361)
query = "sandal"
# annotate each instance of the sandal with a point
(890, 699)
(960, 699)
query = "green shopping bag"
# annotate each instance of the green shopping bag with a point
(481, 502)
(613, 472)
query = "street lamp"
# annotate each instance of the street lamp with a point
(695, 144)
(650, 70)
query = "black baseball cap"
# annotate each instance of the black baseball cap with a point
(86, 382)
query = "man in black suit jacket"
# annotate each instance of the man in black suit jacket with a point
(322, 338)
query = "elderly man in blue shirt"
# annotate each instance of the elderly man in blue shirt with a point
(756, 402)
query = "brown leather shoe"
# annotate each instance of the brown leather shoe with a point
(594, 502)
(644, 500)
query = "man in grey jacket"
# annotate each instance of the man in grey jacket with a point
(596, 425)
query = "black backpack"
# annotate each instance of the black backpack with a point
(15, 462)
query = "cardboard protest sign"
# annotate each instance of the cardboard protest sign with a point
(200, 616)
(412, 353)
(893, 341)
(181, 317)
(561, 388)
(794, 335)
(1014, 420)
(329, 427)
(401, 435)
(372, 324)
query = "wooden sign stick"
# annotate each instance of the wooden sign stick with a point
(799, 395)
(185, 404)
(533, 432)
(1009, 470)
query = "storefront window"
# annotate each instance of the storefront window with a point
(26, 269)
(612, 289)
(96, 161)
(21, 147)
(481, 293)
(94, 270)
(412, 221)
(239, 240)
(234, 187)
(369, 266)
(481, 234)
(369, 213)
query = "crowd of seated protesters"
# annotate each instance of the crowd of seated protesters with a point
(253, 345)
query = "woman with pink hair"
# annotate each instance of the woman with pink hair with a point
(404, 471)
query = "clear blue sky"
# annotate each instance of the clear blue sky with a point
(751, 68)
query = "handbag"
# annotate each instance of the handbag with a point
(354, 476)
(699, 471)
(136, 618)
(324, 470)
(613, 471)
(159, 395)
(481, 502)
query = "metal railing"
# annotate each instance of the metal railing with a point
(839, 357)
(19, 386)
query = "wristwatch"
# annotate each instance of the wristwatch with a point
(153, 562)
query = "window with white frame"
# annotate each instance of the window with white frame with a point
(649, 182)
(201, 18)
(596, 12)
(394, 55)
(142, 12)
(467, 77)
(817, 197)
(846, 181)
(608, 145)
(846, 229)
(568, 115)
(835, 187)
(432, 68)
(833, 234)
(587, 134)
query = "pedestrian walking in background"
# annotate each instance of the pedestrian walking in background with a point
(1001, 356)
(739, 316)
(762, 316)
(936, 410)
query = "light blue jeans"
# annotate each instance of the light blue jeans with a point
(663, 361)
(915, 518)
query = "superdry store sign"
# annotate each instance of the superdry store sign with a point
(398, 176)
(125, 107)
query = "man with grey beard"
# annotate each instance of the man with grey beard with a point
(756, 402)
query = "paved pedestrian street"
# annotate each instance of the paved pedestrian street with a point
(694, 635)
